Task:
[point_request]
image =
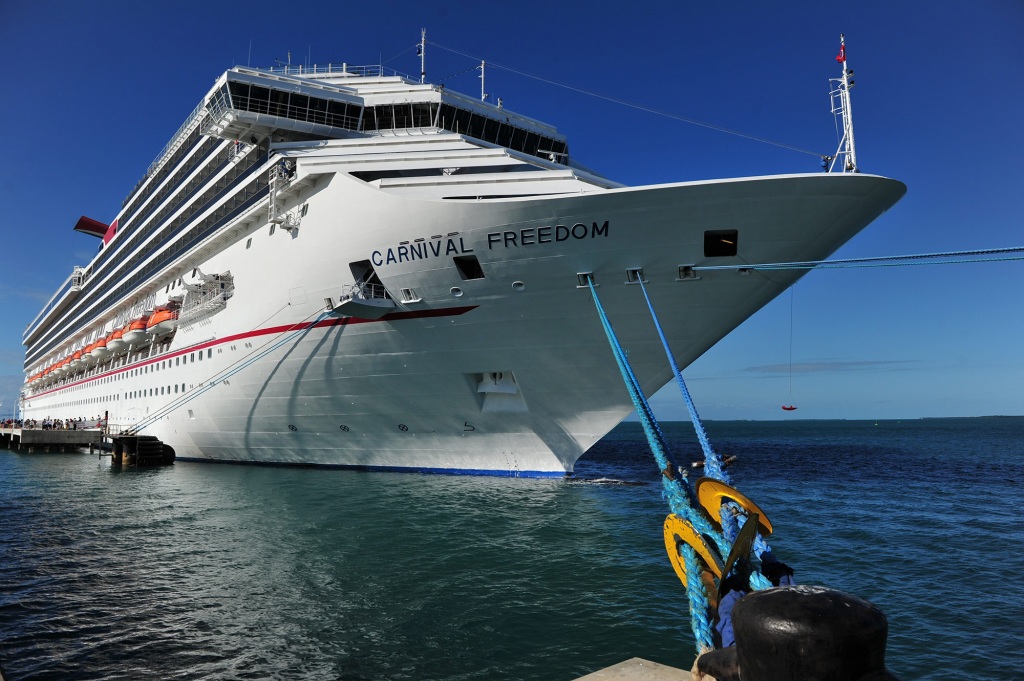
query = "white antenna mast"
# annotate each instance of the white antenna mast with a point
(483, 91)
(423, 55)
(841, 106)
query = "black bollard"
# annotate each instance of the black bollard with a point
(799, 633)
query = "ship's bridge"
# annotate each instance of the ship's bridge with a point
(249, 102)
(341, 101)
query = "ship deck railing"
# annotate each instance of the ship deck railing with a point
(342, 69)
(366, 292)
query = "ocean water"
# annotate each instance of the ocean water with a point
(199, 571)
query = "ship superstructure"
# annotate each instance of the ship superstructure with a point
(343, 266)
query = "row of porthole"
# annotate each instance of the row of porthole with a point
(156, 366)
(84, 401)
(401, 426)
(135, 394)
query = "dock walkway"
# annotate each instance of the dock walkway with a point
(31, 439)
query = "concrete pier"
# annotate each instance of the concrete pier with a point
(31, 439)
(638, 669)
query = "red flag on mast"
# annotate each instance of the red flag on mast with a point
(841, 57)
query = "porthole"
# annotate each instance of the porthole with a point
(456, 291)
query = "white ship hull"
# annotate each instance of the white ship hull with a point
(402, 391)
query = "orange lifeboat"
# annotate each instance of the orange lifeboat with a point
(87, 357)
(99, 350)
(135, 332)
(115, 342)
(76, 360)
(162, 321)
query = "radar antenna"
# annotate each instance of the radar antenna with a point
(840, 93)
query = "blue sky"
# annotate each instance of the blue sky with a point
(94, 90)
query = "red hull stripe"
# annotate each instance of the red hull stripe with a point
(303, 326)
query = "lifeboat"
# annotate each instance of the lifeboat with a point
(135, 332)
(58, 369)
(87, 358)
(99, 350)
(115, 342)
(162, 322)
(76, 360)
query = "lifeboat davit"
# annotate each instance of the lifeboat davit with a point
(135, 332)
(115, 342)
(162, 321)
(99, 350)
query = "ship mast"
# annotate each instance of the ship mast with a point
(840, 94)
(423, 55)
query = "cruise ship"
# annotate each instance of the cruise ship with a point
(345, 266)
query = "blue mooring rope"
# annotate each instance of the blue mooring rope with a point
(675, 488)
(713, 467)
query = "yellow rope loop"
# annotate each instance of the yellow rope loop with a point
(711, 494)
(678, 531)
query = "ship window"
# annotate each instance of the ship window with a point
(720, 243)
(491, 130)
(278, 103)
(505, 135)
(209, 353)
(298, 106)
(469, 267)
(476, 126)
(248, 243)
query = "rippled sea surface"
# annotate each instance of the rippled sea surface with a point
(199, 571)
